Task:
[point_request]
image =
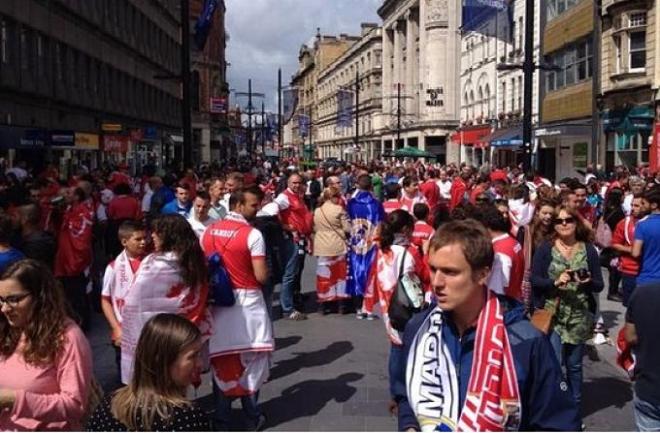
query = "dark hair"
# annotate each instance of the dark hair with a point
(122, 189)
(492, 218)
(44, 331)
(614, 200)
(364, 182)
(183, 185)
(578, 185)
(393, 224)
(30, 214)
(178, 236)
(441, 216)
(203, 195)
(6, 228)
(421, 211)
(473, 239)
(80, 194)
(408, 180)
(128, 227)
(653, 196)
(391, 191)
(238, 197)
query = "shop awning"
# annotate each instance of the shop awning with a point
(638, 118)
(565, 129)
(471, 136)
(508, 137)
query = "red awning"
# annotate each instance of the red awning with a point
(472, 136)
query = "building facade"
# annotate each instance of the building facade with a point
(83, 76)
(210, 90)
(492, 97)
(421, 70)
(362, 63)
(628, 88)
(312, 59)
(568, 103)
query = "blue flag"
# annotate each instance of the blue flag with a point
(365, 213)
(477, 12)
(203, 24)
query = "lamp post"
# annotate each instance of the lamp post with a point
(186, 118)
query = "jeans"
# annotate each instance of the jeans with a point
(647, 415)
(267, 291)
(223, 407)
(628, 284)
(572, 361)
(75, 291)
(395, 366)
(292, 262)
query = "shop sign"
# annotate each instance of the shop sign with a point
(62, 138)
(580, 153)
(217, 105)
(434, 97)
(111, 127)
(116, 143)
(151, 133)
(136, 134)
(34, 138)
(86, 141)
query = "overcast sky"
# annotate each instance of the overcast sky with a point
(267, 34)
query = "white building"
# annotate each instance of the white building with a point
(363, 60)
(421, 52)
(492, 99)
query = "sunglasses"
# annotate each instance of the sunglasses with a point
(564, 221)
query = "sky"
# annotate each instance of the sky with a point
(265, 35)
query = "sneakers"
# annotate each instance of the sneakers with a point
(296, 315)
(257, 424)
(360, 315)
(371, 316)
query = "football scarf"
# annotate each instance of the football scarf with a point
(493, 399)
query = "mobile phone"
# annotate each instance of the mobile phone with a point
(583, 274)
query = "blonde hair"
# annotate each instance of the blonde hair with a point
(329, 194)
(152, 391)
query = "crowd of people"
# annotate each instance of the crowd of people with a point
(486, 280)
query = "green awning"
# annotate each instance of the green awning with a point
(629, 121)
(412, 152)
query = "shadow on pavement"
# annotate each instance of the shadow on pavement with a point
(284, 342)
(311, 359)
(307, 398)
(604, 393)
(612, 319)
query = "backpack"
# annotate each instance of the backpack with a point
(220, 286)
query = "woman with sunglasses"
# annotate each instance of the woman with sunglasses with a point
(565, 275)
(45, 359)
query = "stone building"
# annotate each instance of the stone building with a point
(421, 70)
(362, 60)
(629, 48)
(210, 90)
(567, 106)
(312, 59)
(492, 99)
(77, 77)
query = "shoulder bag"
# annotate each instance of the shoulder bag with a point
(407, 299)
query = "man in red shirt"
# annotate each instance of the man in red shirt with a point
(509, 265)
(587, 211)
(622, 242)
(392, 201)
(411, 195)
(119, 176)
(482, 186)
(458, 189)
(430, 190)
(422, 231)
(241, 347)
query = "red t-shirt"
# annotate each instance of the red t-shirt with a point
(627, 264)
(457, 191)
(431, 192)
(117, 177)
(508, 267)
(421, 233)
(239, 244)
(124, 207)
(391, 205)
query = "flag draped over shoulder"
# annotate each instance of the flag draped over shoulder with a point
(365, 213)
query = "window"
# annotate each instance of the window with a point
(638, 51)
(503, 97)
(4, 42)
(573, 63)
(618, 64)
(59, 61)
(520, 93)
(513, 94)
(521, 32)
(25, 49)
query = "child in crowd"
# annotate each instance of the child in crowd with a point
(422, 231)
(119, 276)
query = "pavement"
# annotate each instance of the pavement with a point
(329, 373)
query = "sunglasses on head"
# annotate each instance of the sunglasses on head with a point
(562, 221)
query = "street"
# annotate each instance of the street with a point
(329, 373)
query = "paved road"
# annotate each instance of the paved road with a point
(330, 374)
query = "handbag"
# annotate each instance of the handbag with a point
(542, 318)
(407, 299)
(220, 285)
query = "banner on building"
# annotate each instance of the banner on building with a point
(86, 141)
(344, 108)
(654, 151)
(476, 12)
(289, 103)
(304, 122)
(217, 105)
(116, 143)
(204, 23)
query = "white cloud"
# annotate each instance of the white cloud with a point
(267, 34)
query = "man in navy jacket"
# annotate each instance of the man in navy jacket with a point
(459, 259)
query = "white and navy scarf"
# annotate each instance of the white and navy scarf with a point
(493, 398)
